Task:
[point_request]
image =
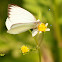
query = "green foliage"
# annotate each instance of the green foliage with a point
(10, 44)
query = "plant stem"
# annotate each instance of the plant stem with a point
(38, 47)
(34, 38)
(39, 51)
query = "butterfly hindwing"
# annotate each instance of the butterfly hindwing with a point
(22, 27)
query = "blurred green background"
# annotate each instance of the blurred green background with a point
(52, 42)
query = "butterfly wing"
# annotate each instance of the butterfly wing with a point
(19, 15)
(19, 20)
(21, 27)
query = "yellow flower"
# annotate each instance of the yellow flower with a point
(40, 28)
(24, 49)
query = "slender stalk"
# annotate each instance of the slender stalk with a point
(39, 51)
(41, 37)
(38, 47)
(36, 41)
(34, 38)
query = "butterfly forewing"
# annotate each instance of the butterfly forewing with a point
(20, 15)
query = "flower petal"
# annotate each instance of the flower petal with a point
(40, 32)
(34, 32)
(38, 20)
(46, 24)
(47, 29)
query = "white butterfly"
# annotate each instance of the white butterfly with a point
(19, 20)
